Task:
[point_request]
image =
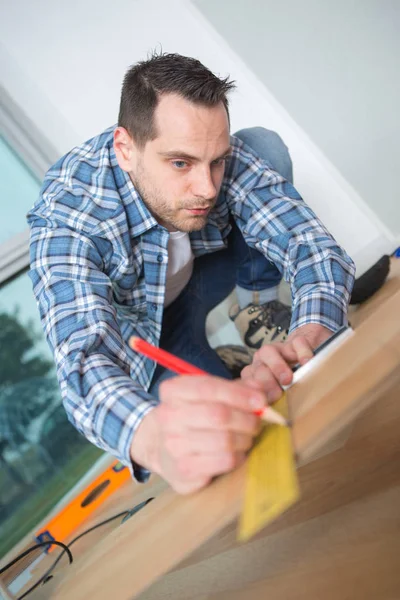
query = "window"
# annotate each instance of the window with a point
(41, 455)
(18, 189)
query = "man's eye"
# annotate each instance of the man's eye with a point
(179, 164)
(221, 161)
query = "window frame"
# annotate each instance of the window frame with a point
(38, 154)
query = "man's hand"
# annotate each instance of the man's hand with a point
(203, 427)
(272, 363)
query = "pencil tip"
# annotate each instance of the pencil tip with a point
(289, 423)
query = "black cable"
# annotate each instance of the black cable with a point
(123, 514)
(29, 550)
(59, 557)
(45, 577)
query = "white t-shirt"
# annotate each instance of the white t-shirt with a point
(180, 265)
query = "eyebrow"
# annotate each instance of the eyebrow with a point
(181, 154)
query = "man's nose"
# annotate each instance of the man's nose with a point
(203, 185)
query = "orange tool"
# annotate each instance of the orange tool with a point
(65, 522)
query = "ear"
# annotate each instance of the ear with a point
(125, 149)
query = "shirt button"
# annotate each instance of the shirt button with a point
(160, 258)
(154, 307)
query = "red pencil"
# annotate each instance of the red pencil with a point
(181, 367)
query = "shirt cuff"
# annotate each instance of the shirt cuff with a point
(330, 311)
(138, 472)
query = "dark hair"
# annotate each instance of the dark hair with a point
(163, 73)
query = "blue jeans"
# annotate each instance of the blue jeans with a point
(215, 275)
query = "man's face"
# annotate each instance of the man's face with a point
(179, 174)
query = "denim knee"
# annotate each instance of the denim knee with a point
(269, 146)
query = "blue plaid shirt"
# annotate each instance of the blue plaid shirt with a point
(99, 263)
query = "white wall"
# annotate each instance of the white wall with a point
(334, 66)
(63, 63)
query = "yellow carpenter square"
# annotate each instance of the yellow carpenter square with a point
(271, 479)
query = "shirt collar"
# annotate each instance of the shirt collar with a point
(139, 217)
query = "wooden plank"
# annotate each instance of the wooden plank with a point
(171, 527)
(368, 464)
(348, 554)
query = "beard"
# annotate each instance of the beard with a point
(172, 218)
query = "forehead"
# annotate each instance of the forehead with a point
(183, 123)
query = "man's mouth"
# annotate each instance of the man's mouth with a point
(198, 210)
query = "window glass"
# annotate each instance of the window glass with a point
(19, 189)
(42, 456)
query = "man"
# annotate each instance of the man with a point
(145, 228)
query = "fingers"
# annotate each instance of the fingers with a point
(206, 425)
(193, 472)
(207, 442)
(213, 390)
(303, 349)
(208, 465)
(262, 374)
(180, 417)
(275, 358)
(272, 363)
(189, 486)
(270, 370)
